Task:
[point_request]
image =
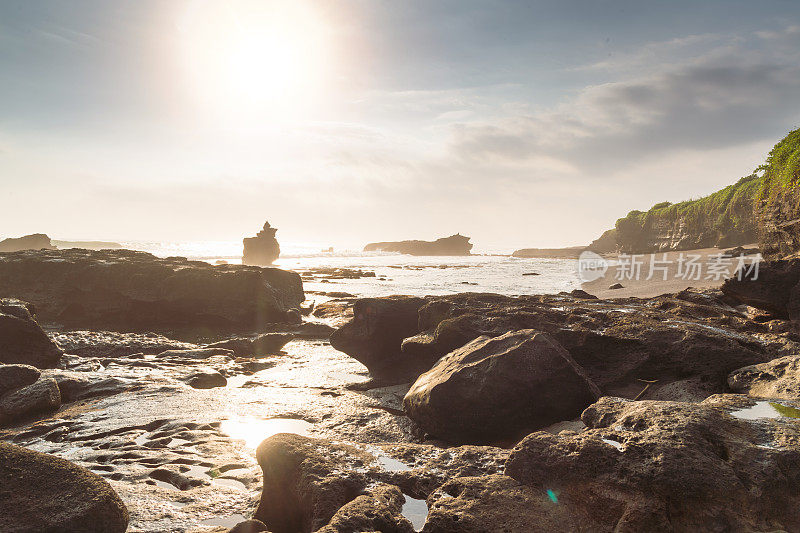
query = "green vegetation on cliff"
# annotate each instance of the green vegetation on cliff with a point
(778, 206)
(782, 168)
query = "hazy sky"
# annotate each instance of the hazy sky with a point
(519, 123)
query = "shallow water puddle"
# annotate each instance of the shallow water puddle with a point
(254, 430)
(766, 409)
(416, 511)
(225, 521)
(388, 463)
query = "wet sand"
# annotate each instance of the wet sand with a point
(672, 265)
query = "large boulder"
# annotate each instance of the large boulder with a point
(773, 287)
(667, 466)
(22, 340)
(375, 334)
(500, 388)
(379, 510)
(263, 249)
(305, 483)
(136, 291)
(41, 397)
(14, 377)
(45, 494)
(779, 378)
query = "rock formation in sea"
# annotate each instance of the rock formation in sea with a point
(573, 252)
(136, 291)
(453, 245)
(37, 241)
(263, 249)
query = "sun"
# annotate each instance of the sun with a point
(254, 57)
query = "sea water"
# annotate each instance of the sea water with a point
(491, 271)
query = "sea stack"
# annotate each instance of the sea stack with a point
(263, 249)
(453, 245)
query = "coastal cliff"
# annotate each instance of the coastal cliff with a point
(37, 241)
(453, 245)
(778, 207)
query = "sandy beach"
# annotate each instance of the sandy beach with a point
(663, 273)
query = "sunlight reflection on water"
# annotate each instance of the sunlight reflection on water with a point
(254, 430)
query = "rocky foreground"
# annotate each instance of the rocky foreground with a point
(480, 412)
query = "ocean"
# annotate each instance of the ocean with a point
(490, 271)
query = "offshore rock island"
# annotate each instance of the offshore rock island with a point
(453, 245)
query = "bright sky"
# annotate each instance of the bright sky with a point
(519, 123)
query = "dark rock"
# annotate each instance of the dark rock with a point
(22, 340)
(265, 344)
(772, 287)
(495, 503)
(263, 249)
(665, 466)
(616, 286)
(40, 397)
(379, 510)
(46, 494)
(304, 483)
(249, 526)
(37, 241)
(294, 316)
(14, 377)
(499, 388)
(454, 245)
(692, 334)
(176, 479)
(76, 386)
(581, 294)
(206, 378)
(136, 291)
(779, 378)
(375, 334)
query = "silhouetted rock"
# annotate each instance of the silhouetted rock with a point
(136, 291)
(263, 249)
(22, 340)
(47, 494)
(374, 335)
(88, 245)
(499, 388)
(37, 241)
(453, 245)
(249, 526)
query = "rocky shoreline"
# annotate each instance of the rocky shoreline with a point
(476, 412)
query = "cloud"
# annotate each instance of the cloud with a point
(736, 93)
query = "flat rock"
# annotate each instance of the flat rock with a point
(46, 494)
(137, 291)
(779, 378)
(194, 353)
(22, 340)
(113, 344)
(499, 388)
(264, 344)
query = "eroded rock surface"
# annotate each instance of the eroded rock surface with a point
(43, 493)
(127, 290)
(779, 378)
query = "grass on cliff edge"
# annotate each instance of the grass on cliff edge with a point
(725, 209)
(782, 169)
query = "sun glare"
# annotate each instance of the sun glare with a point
(255, 58)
